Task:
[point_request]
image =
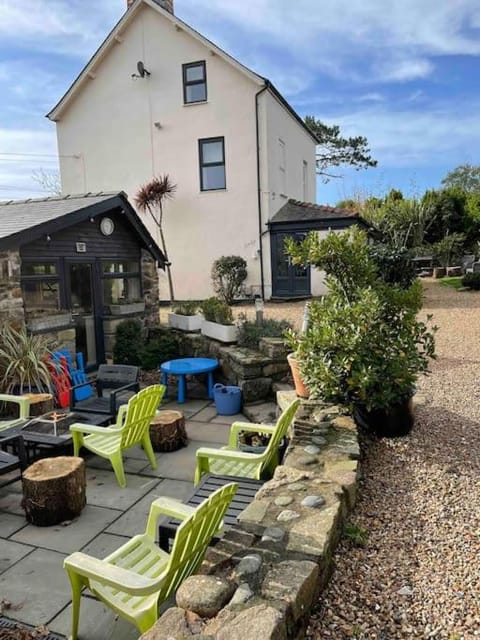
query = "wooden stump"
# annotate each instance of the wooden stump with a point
(54, 490)
(167, 431)
(40, 403)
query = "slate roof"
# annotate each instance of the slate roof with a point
(22, 221)
(296, 211)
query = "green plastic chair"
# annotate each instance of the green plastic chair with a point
(139, 576)
(130, 430)
(229, 461)
(24, 410)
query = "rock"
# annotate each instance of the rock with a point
(242, 594)
(307, 461)
(287, 516)
(261, 621)
(314, 502)
(248, 565)
(204, 595)
(273, 534)
(405, 591)
(312, 450)
(172, 624)
(283, 501)
(296, 486)
(319, 440)
(294, 582)
(263, 413)
(255, 389)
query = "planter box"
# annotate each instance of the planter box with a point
(49, 322)
(221, 332)
(185, 323)
(125, 309)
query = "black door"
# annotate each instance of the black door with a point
(83, 296)
(288, 280)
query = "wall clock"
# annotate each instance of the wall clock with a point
(107, 226)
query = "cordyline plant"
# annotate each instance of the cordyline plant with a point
(364, 344)
(151, 197)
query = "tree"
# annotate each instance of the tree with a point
(447, 213)
(151, 197)
(334, 150)
(48, 180)
(465, 177)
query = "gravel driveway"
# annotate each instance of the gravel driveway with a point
(418, 575)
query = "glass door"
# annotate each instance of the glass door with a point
(81, 276)
(288, 280)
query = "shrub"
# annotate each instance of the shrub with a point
(214, 310)
(449, 249)
(128, 342)
(250, 333)
(228, 275)
(188, 308)
(160, 347)
(394, 265)
(472, 281)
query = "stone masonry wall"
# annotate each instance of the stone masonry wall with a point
(150, 286)
(253, 371)
(261, 579)
(11, 301)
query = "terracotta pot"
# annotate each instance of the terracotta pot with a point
(300, 386)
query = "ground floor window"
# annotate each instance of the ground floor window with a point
(121, 282)
(40, 286)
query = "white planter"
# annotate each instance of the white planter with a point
(185, 323)
(220, 332)
(124, 309)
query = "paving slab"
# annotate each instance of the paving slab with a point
(103, 489)
(12, 552)
(190, 408)
(97, 622)
(11, 499)
(134, 520)
(91, 522)
(207, 431)
(10, 523)
(131, 465)
(238, 417)
(39, 584)
(104, 544)
(207, 414)
(179, 465)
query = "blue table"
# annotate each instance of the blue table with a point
(188, 367)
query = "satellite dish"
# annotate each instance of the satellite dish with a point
(142, 72)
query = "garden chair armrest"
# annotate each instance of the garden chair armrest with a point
(109, 574)
(78, 427)
(135, 386)
(247, 426)
(23, 403)
(166, 507)
(122, 412)
(219, 454)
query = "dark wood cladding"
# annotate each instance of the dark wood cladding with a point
(122, 243)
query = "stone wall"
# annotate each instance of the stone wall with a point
(261, 579)
(11, 301)
(253, 371)
(150, 286)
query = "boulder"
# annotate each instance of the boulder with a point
(204, 595)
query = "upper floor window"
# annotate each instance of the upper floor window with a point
(282, 167)
(194, 82)
(305, 181)
(212, 164)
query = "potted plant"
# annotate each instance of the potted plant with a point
(185, 317)
(126, 308)
(218, 321)
(364, 347)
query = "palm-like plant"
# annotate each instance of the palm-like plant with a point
(23, 366)
(151, 197)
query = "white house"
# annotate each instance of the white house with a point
(158, 97)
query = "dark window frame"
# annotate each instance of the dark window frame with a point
(57, 277)
(123, 275)
(203, 165)
(190, 83)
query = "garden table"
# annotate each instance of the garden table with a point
(188, 367)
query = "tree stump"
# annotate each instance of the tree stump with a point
(167, 431)
(40, 403)
(54, 490)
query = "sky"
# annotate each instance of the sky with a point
(403, 73)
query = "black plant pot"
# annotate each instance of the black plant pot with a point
(392, 422)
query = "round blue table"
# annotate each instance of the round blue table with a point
(188, 367)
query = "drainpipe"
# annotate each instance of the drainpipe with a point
(259, 188)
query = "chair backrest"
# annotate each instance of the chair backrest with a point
(193, 537)
(141, 409)
(114, 376)
(282, 426)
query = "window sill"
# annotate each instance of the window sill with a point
(207, 191)
(195, 104)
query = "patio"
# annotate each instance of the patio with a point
(31, 575)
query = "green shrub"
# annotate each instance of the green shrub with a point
(250, 333)
(188, 308)
(160, 347)
(128, 342)
(472, 281)
(394, 265)
(214, 310)
(228, 275)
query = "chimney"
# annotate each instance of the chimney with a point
(165, 4)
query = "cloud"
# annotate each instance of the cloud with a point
(370, 97)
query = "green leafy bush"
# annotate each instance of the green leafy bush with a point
(250, 333)
(189, 308)
(228, 275)
(160, 347)
(394, 265)
(448, 250)
(472, 281)
(214, 310)
(128, 342)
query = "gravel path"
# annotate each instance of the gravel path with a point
(418, 575)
